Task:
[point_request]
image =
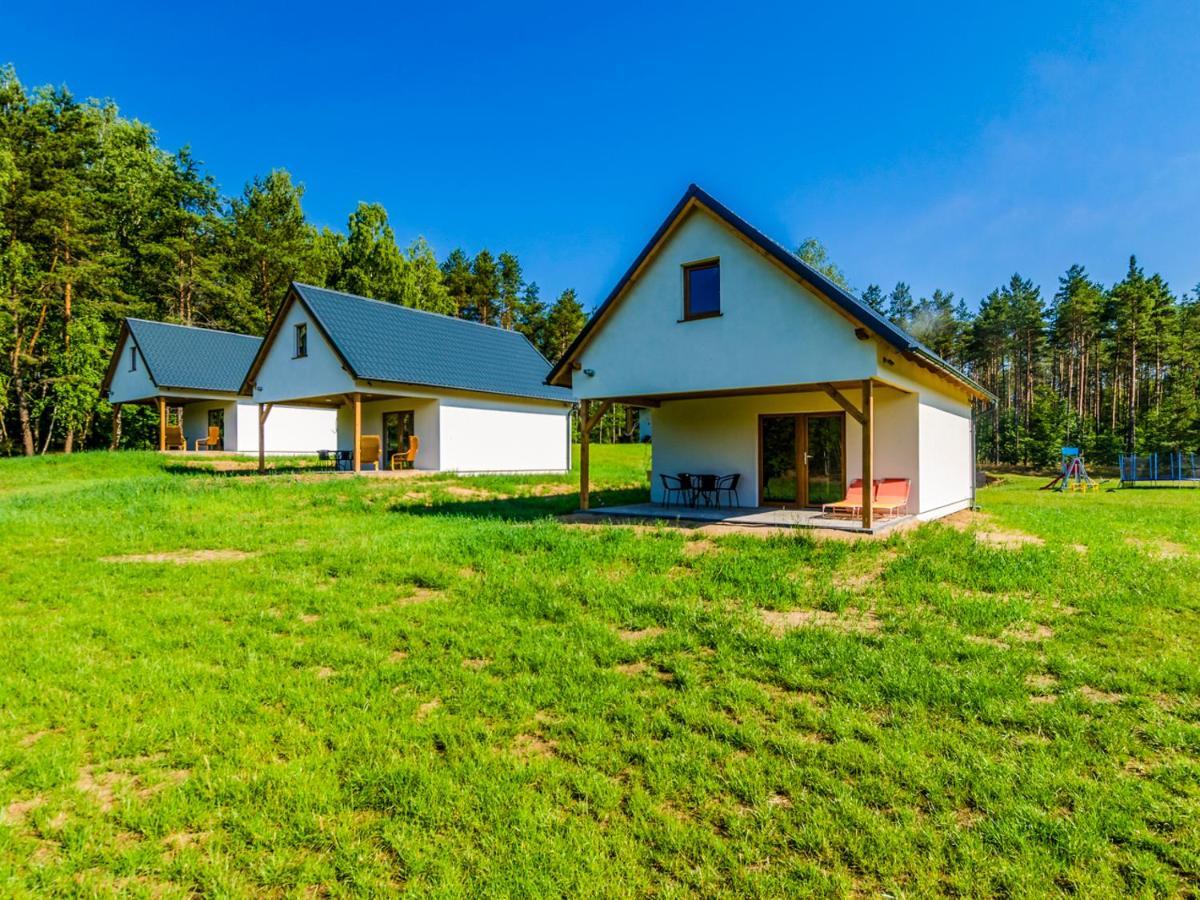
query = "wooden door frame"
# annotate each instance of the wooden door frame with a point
(799, 421)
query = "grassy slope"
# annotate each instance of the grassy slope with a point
(413, 685)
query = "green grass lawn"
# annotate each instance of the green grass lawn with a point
(234, 685)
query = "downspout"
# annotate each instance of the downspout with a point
(974, 461)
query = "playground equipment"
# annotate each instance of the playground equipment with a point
(1174, 466)
(1074, 476)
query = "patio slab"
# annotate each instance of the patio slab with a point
(747, 516)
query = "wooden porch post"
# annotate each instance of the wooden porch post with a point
(584, 445)
(868, 450)
(358, 433)
(162, 424)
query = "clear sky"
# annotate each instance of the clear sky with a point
(947, 147)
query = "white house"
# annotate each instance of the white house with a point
(754, 364)
(195, 375)
(474, 395)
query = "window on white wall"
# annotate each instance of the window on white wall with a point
(133, 359)
(301, 340)
(702, 289)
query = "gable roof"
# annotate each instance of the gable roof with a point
(188, 358)
(379, 341)
(852, 306)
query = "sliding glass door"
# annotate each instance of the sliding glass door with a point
(802, 458)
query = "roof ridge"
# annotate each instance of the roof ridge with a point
(193, 327)
(426, 312)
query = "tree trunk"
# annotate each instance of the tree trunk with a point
(116, 429)
(1131, 400)
(27, 446)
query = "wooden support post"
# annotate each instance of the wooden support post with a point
(162, 424)
(868, 452)
(584, 446)
(357, 433)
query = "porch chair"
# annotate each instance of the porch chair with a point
(728, 484)
(850, 505)
(671, 485)
(408, 458)
(891, 497)
(174, 438)
(368, 447)
(211, 441)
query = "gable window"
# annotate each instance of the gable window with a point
(702, 290)
(133, 359)
(301, 340)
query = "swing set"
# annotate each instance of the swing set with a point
(1074, 476)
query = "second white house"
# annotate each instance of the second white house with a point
(474, 396)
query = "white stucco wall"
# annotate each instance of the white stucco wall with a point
(130, 386)
(947, 463)
(504, 436)
(289, 429)
(721, 435)
(772, 330)
(319, 374)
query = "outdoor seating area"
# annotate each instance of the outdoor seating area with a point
(690, 490)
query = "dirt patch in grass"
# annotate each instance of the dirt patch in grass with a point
(851, 621)
(779, 800)
(1041, 682)
(1043, 698)
(633, 635)
(1091, 695)
(467, 493)
(984, 641)
(309, 618)
(699, 547)
(323, 672)
(531, 746)
(988, 532)
(397, 656)
(1031, 633)
(17, 811)
(633, 668)
(104, 787)
(32, 738)
(419, 595)
(426, 709)
(181, 840)
(182, 557)
(477, 663)
(1160, 548)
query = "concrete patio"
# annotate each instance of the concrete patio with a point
(750, 516)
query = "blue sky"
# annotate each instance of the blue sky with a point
(942, 146)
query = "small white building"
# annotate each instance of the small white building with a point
(752, 363)
(475, 396)
(194, 375)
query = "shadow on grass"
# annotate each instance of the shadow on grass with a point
(521, 509)
(239, 470)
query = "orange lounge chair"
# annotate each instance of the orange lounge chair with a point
(173, 438)
(369, 448)
(212, 442)
(408, 458)
(850, 505)
(891, 497)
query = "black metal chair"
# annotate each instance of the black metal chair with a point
(728, 484)
(687, 482)
(705, 487)
(671, 485)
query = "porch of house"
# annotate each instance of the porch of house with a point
(793, 448)
(750, 517)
